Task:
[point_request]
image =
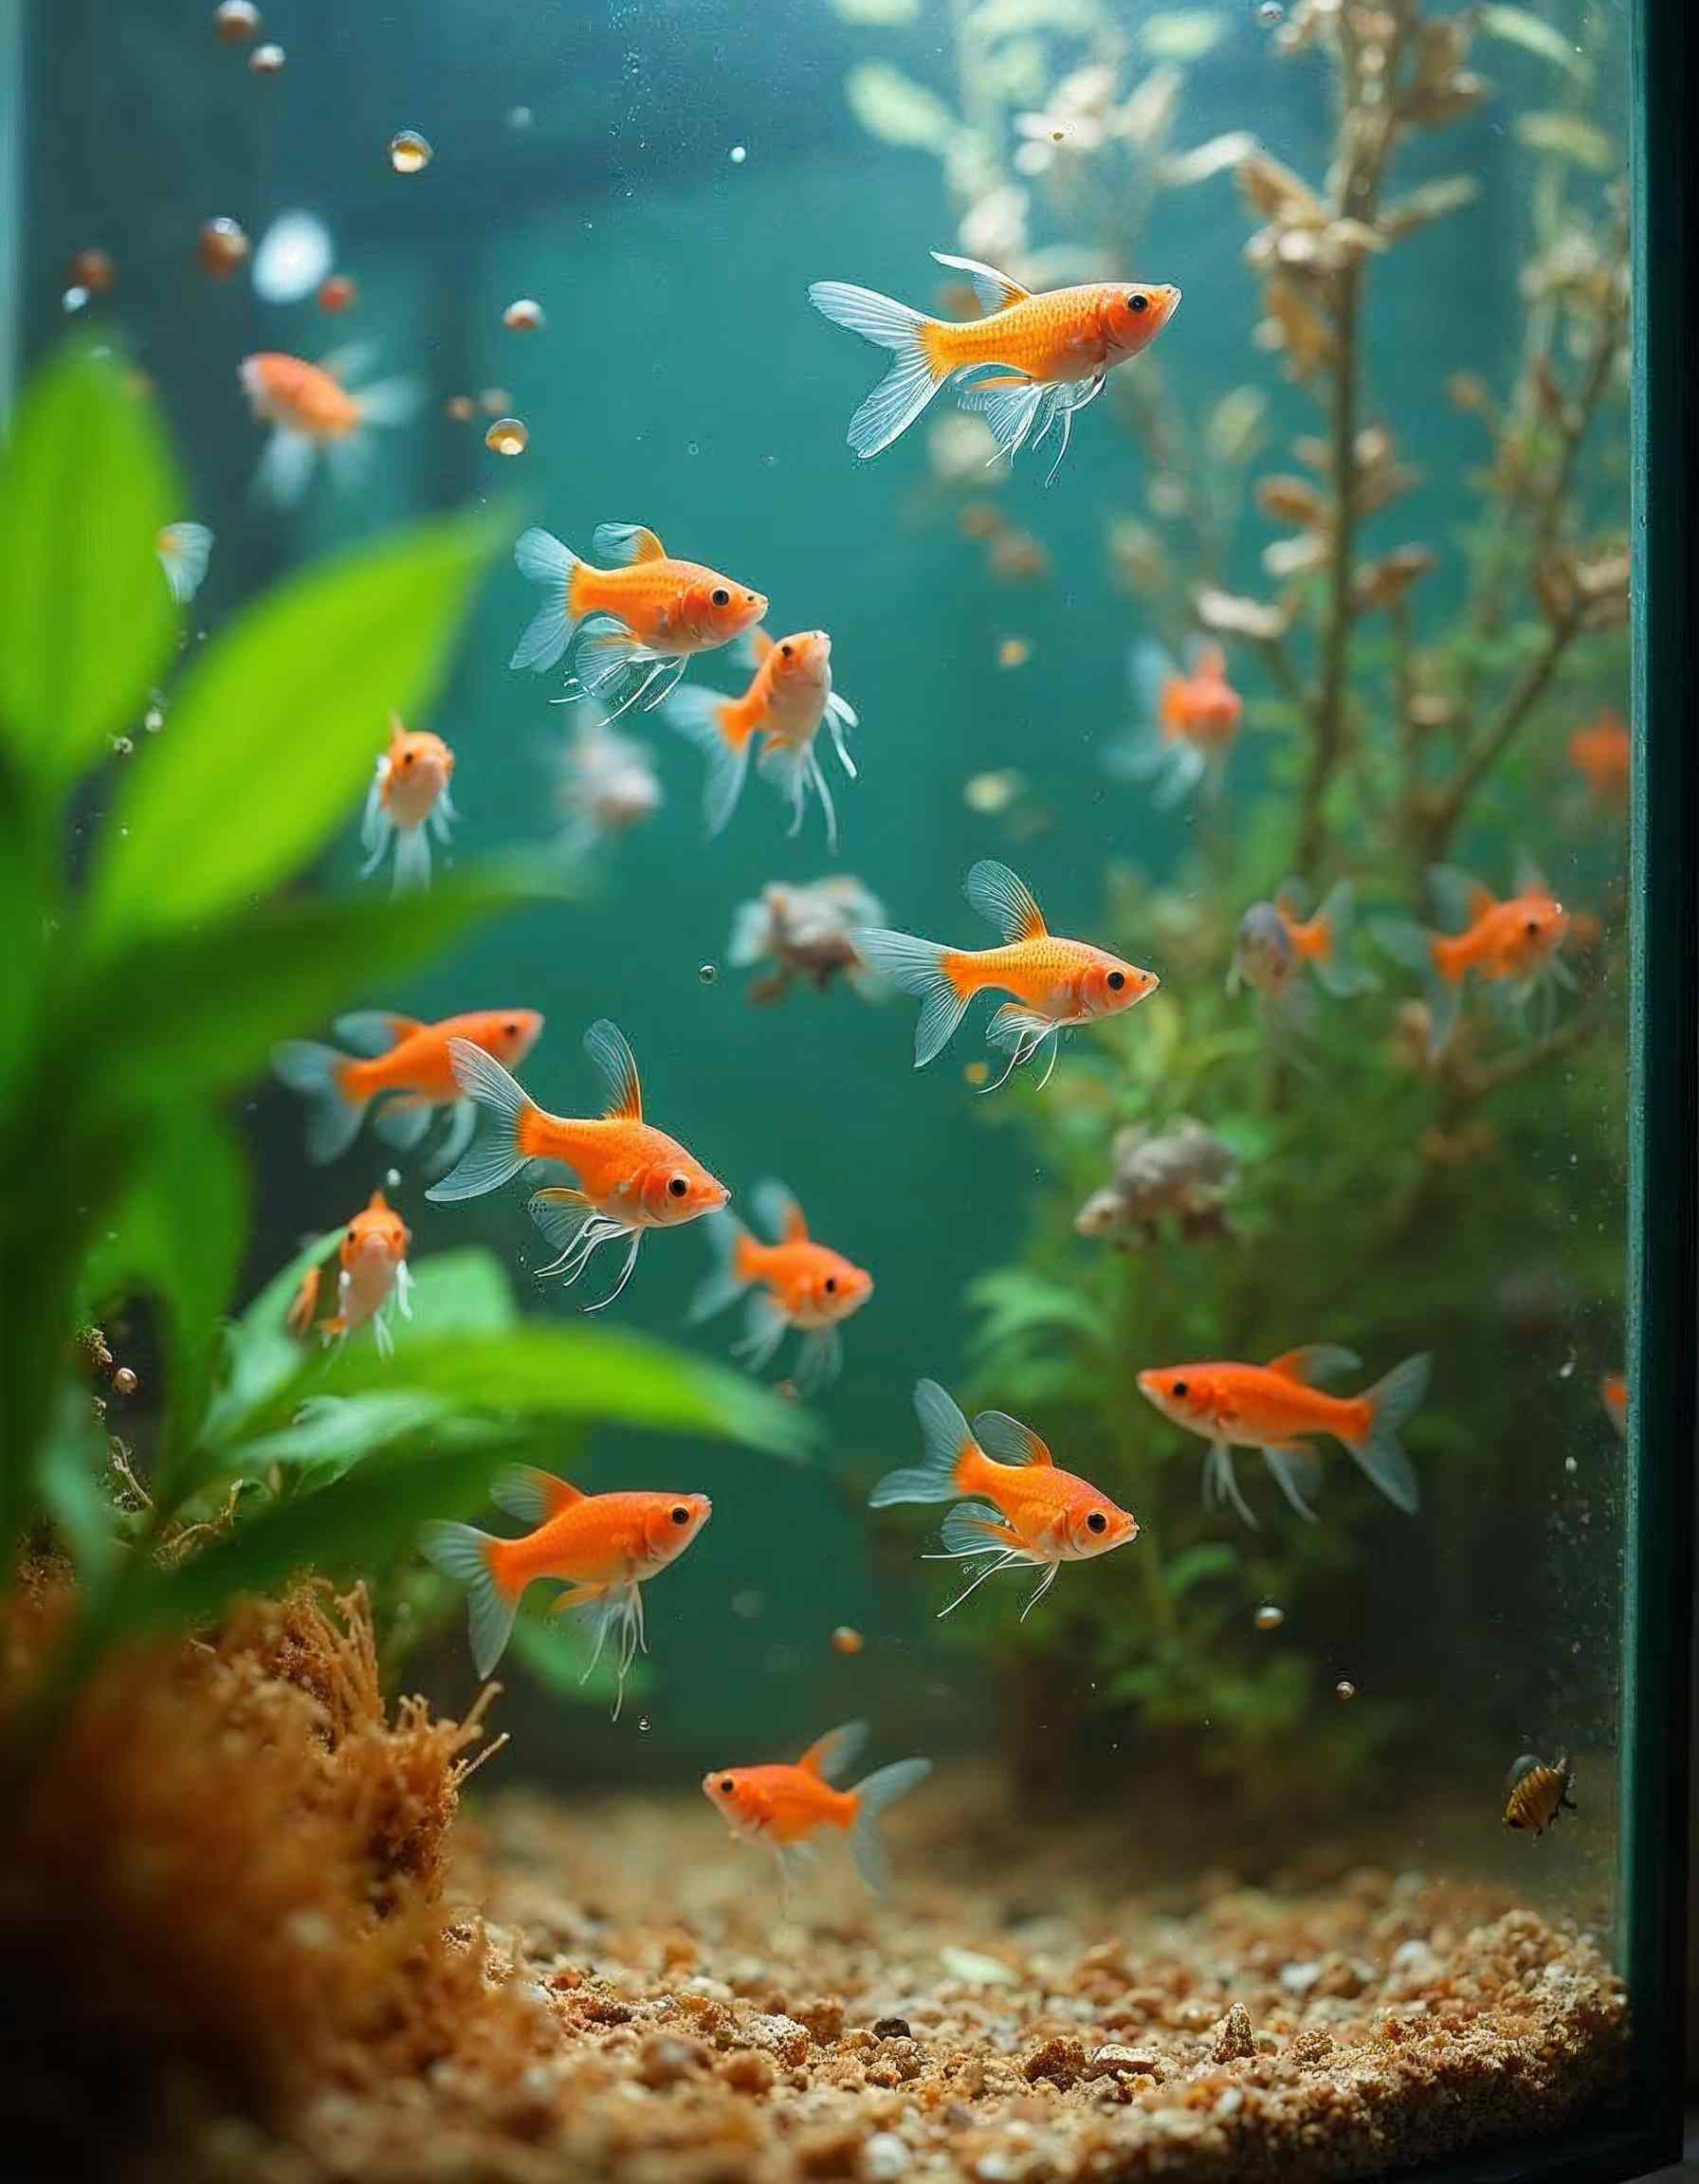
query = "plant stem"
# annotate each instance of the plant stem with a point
(1437, 818)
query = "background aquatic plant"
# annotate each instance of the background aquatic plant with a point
(152, 961)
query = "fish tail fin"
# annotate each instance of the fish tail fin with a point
(725, 1281)
(412, 860)
(920, 967)
(320, 1075)
(702, 717)
(468, 1556)
(394, 401)
(946, 1437)
(1419, 950)
(1336, 969)
(496, 1154)
(542, 556)
(875, 1794)
(1391, 1402)
(285, 467)
(913, 378)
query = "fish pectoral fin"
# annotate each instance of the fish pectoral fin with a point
(995, 291)
(1297, 1471)
(1314, 1361)
(576, 1596)
(978, 1528)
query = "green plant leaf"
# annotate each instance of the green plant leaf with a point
(276, 726)
(1195, 1565)
(340, 1429)
(463, 1292)
(86, 484)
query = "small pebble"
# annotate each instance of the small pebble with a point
(845, 1640)
(665, 2058)
(124, 1382)
(891, 2029)
(885, 2156)
(236, 21)
(1235, 2035)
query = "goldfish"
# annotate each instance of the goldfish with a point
(1613, 1394)
(409, 794)
(1510, 946)
(1602, 756)
(1026, 366)
(607, 783)
(1056, 984)
(1190, 721)
(1276, 946)
(788, 1806)
(372, 1256)
(603, 1547)
(805, 932)
(1536, 1793)
(1278, 1408)
(782, 710)
(792, 1282)
(1015, 1503)
(1185, 1171)
(184, 551)
(634, 624)
(403, 1068)
(312, 413)
(632, 1177)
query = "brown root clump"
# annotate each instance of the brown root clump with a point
(220, 1890)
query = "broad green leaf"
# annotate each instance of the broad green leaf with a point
(276, 727)
(557, 1650)
(260, 1353)
(1016, 1303)
(86, 486)
(461, 1292)
(72, 1486)
(340, 1429)
(1195, 1565)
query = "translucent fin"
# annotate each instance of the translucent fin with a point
(910, 383)
(1297, 1472)
(494, 1156)
(1007, 1441)
(1011, 409)
(185, 550)
(819, 1359)
(918, 967)
(618, 545)
(1039, 1589)
(392, 401)
(615, 1066)
(995, 291)
(412, 860)
(374, 1030)
(1409, 944)
(402, 1122)
(701, 716)
(977, 1528)
(1220, 1481)
(1314, 1362)
(946, 1433)
(531, 1496)
(874, 1796)
(463, 1553)
(765, 1325)
(285, 467)
(1004, 901)
(539, 555)
(1391, 1402)
(1458, 897)
(777, 1209)
(832, 1757)
(1339, 972)
(723, 1284)
(463, 1125)
(317, 1073)
(615, 1612)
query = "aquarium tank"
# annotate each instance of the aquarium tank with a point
(847, 1096)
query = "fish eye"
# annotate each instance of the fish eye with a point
(677, 1186)
(1097, 1522)
(408, 758)
(1115, 981)
(1532, 928)
(1138, 300)
(512, 1030)
(1180, 1388)
(679, 1514)
(352, 1236)
(726, 1785)
(831, 1284)
(786, 650)
(720, 596)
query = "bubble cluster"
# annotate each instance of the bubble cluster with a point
(409, 152)
(507, 436)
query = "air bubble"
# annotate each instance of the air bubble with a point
(74, 299)
(519, 118)
(391, 1178)
(123, 747)
(708, 973)
(266, 59)
(507, 436)
(1268, 1617)
(1570, 1466)
(737, 154)
(154, 720)
(409, 152)
(643, 1725)
(524, 316)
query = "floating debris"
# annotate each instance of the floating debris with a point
(124, 1382)
(507, 436)
(409, 152)
(847, 1640)
(236, 21)
(338, 293)
(805, 933)
(222, 248)
(975, 1970)
(1014, 651)
(990, 794)
(1536, 1793)
(93, 269)
(1268, 1617)
(266, 59)
(524, 316)
(461, 408)
(294, 256)
(519, 118)
(975, 1073)
(494, 401)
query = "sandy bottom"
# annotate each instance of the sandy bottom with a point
(1014, 2015)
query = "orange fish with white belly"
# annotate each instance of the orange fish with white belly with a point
(372, 1256)
(1026, 366)
(1054, 984)
(1510, 945)
(632, 1177)
(403, 1072)
(1190, 721)
(1016, 1503)
(603, 1547)
(635, 623)
(314, 412)
(1278, 1408)
(792, 1807)
(408, 802)
(781, 712)
(1602, 754)
(791, 1283)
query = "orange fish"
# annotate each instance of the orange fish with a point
(603, 1547)
(1056, 984)
(1278, 1408)
(1035, 359)
(312, 413)
(372, 1254)
(791, 1283)
(184, 551)
(632, 1177)
(403, 1064)
(1022, 1509)
(1191, 718)
(1276, 945)
(1511, 945)
(788, 1806)
(1602, 755)
(408, 793)
(633, 624)
(782, 710)
(1613, 1394)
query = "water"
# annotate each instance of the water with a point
(605, 230)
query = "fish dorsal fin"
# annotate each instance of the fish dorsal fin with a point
(377, 1203)
(761, 645)
(532, 1496)
(1313, 1362)
(1530, 878)
(1292, 898)
(1459, 898)
(618, 545)
(777, 1211)
(616, 1066)
(995, 291)
(836, 1752)
(398, 730)
(1004, 898)
(1208, 661)
(1005, 1440)
(375, 1030)
(353, 360)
